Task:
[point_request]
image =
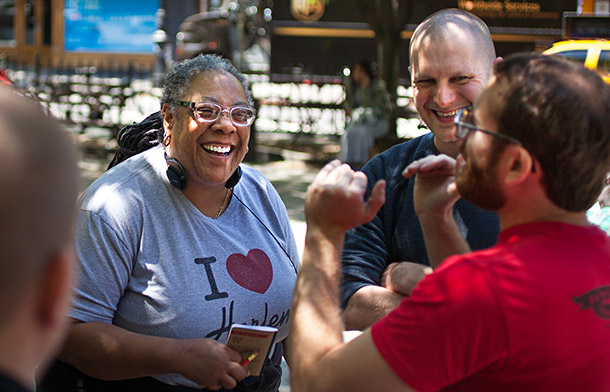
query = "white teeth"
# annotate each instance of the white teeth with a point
(218, 149)
(447, 114)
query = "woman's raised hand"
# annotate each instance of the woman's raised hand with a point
(210, 364)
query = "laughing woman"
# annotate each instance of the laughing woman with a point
(177, 243)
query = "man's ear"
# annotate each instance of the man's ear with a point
(55, 289)
(517, 164)
(498, 60)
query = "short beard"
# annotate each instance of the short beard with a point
(479, 185)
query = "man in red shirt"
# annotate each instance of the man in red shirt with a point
(530, 313)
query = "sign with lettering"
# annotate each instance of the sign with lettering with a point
(586, 26)
(501, 13)
(519, 14)
(340, 35)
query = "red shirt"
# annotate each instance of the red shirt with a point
(532, 313)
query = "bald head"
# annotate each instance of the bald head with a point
(451, 58)
(38, 189)
(450, 24)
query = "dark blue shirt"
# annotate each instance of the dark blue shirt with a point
(395, 233)
(8, 384)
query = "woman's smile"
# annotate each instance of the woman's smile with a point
(217, 149)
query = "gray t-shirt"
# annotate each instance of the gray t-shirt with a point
(152, 263)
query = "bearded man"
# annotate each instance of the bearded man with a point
(530, 313)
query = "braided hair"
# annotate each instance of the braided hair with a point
(138, 137)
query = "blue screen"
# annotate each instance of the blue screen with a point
(110, 25)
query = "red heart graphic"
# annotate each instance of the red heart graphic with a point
(253, 272)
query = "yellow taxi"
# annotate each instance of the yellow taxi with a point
(594, 54)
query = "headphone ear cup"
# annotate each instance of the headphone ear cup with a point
(176, 177)
(175, 173)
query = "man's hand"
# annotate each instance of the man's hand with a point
(435, 190)
(371, 303)
(434, 195)
(368, 305)
(403, 277)
(335, 199)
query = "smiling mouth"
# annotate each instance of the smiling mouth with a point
(446, 114)
(217, 150)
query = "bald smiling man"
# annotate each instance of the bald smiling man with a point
(451, 55)
(38, 189)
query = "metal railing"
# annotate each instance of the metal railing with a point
(110, 98)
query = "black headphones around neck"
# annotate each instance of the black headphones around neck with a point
(177, 176)
(175, 172)
(234, 179)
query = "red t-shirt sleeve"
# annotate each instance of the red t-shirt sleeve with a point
(450, 328)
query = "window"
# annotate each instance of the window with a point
(46, 14)
(7, 17)
(30, 22)
(576, 55)
(603, 64)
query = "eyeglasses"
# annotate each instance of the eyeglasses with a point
(464, 122)
(207, 112)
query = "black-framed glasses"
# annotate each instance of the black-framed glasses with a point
(207, 112)
(464, 123)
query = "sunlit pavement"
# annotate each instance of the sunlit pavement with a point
(291, 179)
